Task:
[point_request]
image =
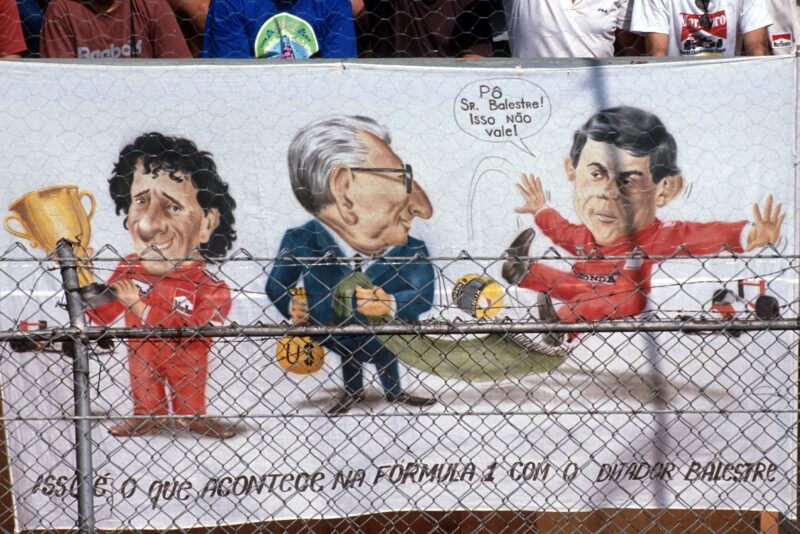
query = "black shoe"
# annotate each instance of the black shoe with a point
(547, 314)
(515, 268)
(411, 400)
(344, 403)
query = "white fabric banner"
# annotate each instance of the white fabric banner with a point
(651, 420)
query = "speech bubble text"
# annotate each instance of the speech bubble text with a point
(502, 110)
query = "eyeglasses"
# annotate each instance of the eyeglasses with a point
(705, 20)
(408, 174)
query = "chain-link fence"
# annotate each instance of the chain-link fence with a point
(361, 297)
(548, 412)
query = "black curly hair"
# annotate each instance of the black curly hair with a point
(158, 152)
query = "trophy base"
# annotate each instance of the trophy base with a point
(96, 294)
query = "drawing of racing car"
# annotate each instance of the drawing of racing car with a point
(728, 305)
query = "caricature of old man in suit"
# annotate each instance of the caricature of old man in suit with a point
(363, 199)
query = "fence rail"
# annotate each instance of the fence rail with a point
(661, 392)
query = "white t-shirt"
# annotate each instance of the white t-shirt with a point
(783, 34)
(681, 20)
(563, 28)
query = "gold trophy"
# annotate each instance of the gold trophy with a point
(48, 215)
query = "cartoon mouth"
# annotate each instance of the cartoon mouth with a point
(605, 216)
(160, 247)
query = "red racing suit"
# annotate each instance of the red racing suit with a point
(599, 288)
(186, 297)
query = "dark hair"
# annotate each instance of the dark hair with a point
(634, 130)
(158, 152)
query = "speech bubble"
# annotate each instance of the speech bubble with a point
(502, 110)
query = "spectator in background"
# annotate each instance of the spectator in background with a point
(12, 43)
(191, 16)
(424, 28)
(31, 14)
(703, 27)
(564, 28)
(283, 29)
(783, 33)
(111, 29)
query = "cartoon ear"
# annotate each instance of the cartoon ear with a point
(569, 169)
(209, 223)
(668, 189)
(340, 181)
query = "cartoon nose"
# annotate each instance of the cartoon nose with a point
(419, 205)
(611, 189)
(151, 223)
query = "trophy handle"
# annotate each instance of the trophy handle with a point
(18, 233)
(92, 201)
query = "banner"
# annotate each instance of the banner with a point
(358, 194)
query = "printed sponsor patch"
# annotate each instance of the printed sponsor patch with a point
(605, 279)
(704, 35)
(84, 52)
(285, 36)
(183, 303)
(692, 25)
(782, 40)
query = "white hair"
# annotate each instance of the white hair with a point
(319, 147)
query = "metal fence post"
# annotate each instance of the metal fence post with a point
(80, 377)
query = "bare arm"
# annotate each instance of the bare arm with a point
(756, 42)
(195, 11)
(360, 14)
(629, 44)
(657, 44)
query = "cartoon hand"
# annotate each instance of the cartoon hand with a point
(767, 227)
(298, 310)
(530, 187)
(126, 291)
(373, 302)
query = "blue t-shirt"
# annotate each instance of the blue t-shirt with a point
(280, 29)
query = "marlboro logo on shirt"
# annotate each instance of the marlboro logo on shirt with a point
(691, 25)
(183, 303)
(782, 40)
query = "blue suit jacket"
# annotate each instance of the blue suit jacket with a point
(411, 282)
